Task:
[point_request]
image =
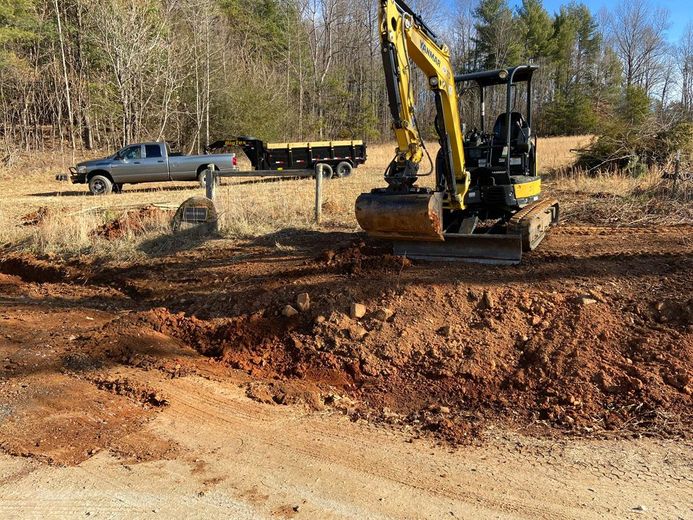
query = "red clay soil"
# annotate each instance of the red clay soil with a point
(590, 336)
(131, 223)
(37, 217)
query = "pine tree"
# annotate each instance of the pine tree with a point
(497, 41)
(537, 30)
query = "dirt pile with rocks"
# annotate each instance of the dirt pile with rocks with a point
(529, 359)
(132, 223)
(590, 336)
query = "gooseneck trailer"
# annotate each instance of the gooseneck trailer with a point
(338, 158)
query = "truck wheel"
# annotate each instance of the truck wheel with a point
(344, 169)
(327, 172)
(100, 185)
(202, 179)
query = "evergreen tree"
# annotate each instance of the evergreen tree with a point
(497, 41)
(537, 30)
(17, 25)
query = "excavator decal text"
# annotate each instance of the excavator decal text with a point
(425, 49)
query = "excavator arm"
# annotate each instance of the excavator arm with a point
(403, 209)
(405, 39)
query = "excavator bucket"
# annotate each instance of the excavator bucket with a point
(394, 216)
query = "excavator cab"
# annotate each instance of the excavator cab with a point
(502, 158)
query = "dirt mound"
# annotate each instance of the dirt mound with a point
(36, 218)
(360, 257)
(574, 363)
(265, 347)
(583, 338)
(132, 223)
(31, 269)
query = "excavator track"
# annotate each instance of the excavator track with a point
(533, 221)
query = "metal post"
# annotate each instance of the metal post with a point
(677, 170)
(318, 194)
(211, 182)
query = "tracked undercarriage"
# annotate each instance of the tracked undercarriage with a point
(417, 230)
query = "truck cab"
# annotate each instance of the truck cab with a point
(137, 161)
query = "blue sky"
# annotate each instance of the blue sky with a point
(680, 11)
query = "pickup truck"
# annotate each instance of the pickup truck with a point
(147, 162)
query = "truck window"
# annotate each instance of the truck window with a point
(152, 151)
(132, 152)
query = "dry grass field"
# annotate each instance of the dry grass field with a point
(68, 215)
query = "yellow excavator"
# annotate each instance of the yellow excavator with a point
(488, 213)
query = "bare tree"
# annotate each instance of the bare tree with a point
(638, 31)
(684, 59)
(131, 37)
(68, 95)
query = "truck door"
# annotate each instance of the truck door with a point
(126, 167)
(153, 166)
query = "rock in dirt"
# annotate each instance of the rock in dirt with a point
(289, 311)
(384, 314)
(445, 331)
(586, 300)
(487, 300)
(358, 310)
(437, 408)
(357, 332)
(303, 302)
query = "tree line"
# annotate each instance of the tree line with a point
(101, 73)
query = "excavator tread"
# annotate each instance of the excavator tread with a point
(533, 221)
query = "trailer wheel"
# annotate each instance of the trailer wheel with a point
(327, 172)
(100, 185)
(344, 169)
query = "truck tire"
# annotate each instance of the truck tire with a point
(327, 172)
(100, 185)
(202, 179)
(344, 169)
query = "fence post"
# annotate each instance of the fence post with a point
(210, 182)
(318, 194)
(677, 169)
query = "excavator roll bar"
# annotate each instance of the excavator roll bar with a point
(510, 77)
